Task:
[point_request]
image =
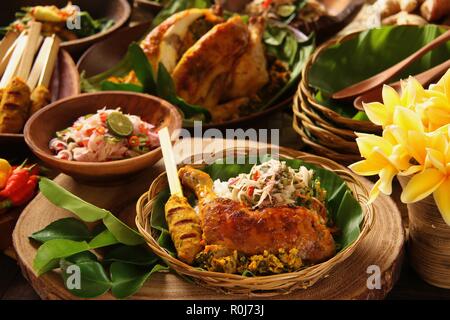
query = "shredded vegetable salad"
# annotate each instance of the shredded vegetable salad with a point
(273, 183)
(107, 135)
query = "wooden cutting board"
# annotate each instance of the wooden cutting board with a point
(382, 247)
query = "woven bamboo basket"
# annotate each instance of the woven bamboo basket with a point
(322, 136)
(343, 157)
(303, 107)
(429, 241)
(259, 286)
(332, 116)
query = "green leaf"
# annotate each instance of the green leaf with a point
(127, 279)
(166, 90)
(66, 228)
(138, 255)
(369, 53)
(291, 49)
(121, 231)
(103, 239)
(112, 86)
(88, 212)
(48, 254)
(62, 198)
(93, 281)
(142, 68)
(174, 6)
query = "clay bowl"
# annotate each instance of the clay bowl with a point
(65, 83)
(43, 125)
(112, 50)
(117, 10)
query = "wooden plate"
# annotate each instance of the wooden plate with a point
(113, 49)
(117, 10)
(65, 83)
(382, 247)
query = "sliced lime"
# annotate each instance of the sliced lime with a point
(286, 10)
(119, 124)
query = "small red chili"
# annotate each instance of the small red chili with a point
(100, 130)
(103, 116)
(266, 4)
(133, 141)
(256, 175)
(16, 181)
(250, 191)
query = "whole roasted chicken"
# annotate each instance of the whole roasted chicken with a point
(214, 63)
(231, 232)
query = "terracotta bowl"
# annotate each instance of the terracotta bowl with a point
(117, 10)
(43, 125)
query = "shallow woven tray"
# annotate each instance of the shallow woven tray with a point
(322, 136)
(302, 106)
(260, 286)
(344, 122)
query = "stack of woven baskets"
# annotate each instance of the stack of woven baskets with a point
(324, 131)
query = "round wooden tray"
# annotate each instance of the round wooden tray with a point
(382, 247)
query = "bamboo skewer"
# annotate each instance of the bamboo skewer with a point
(7, 46)
(13, 63)
(49, 63)
(44, 64)
(169, 162)
(31, 46)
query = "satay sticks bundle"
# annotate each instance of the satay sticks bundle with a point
(25, 75)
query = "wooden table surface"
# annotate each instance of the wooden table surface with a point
(14, 286)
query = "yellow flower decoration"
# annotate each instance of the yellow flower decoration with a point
(415, 142)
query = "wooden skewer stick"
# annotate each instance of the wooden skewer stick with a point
(7, 46)
(169, 162)
(49, 63)
(31, 46)
(13, 63)
(40, 62)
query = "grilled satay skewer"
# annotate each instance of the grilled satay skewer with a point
(15, 101)
(183, 221)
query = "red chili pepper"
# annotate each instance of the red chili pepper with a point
(23, 195)
(100, 130)
(266, 4)
(103, 116)
(250, 191)
(16, 181)
(256, 175)
(133, 141)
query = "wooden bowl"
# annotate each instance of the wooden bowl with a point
(43, 125)
(117, 10)
(111, 51)
(65, 83)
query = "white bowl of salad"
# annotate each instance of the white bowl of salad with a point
(101, 136)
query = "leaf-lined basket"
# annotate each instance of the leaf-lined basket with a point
(346, 199)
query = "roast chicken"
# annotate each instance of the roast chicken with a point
(229, 226)
(220, 65)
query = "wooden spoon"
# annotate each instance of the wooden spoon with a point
(382, 77)
(423, 78)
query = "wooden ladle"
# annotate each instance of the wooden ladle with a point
(382, 77)
(423, 78)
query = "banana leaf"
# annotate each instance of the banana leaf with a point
(342, 208)
(369, 53)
